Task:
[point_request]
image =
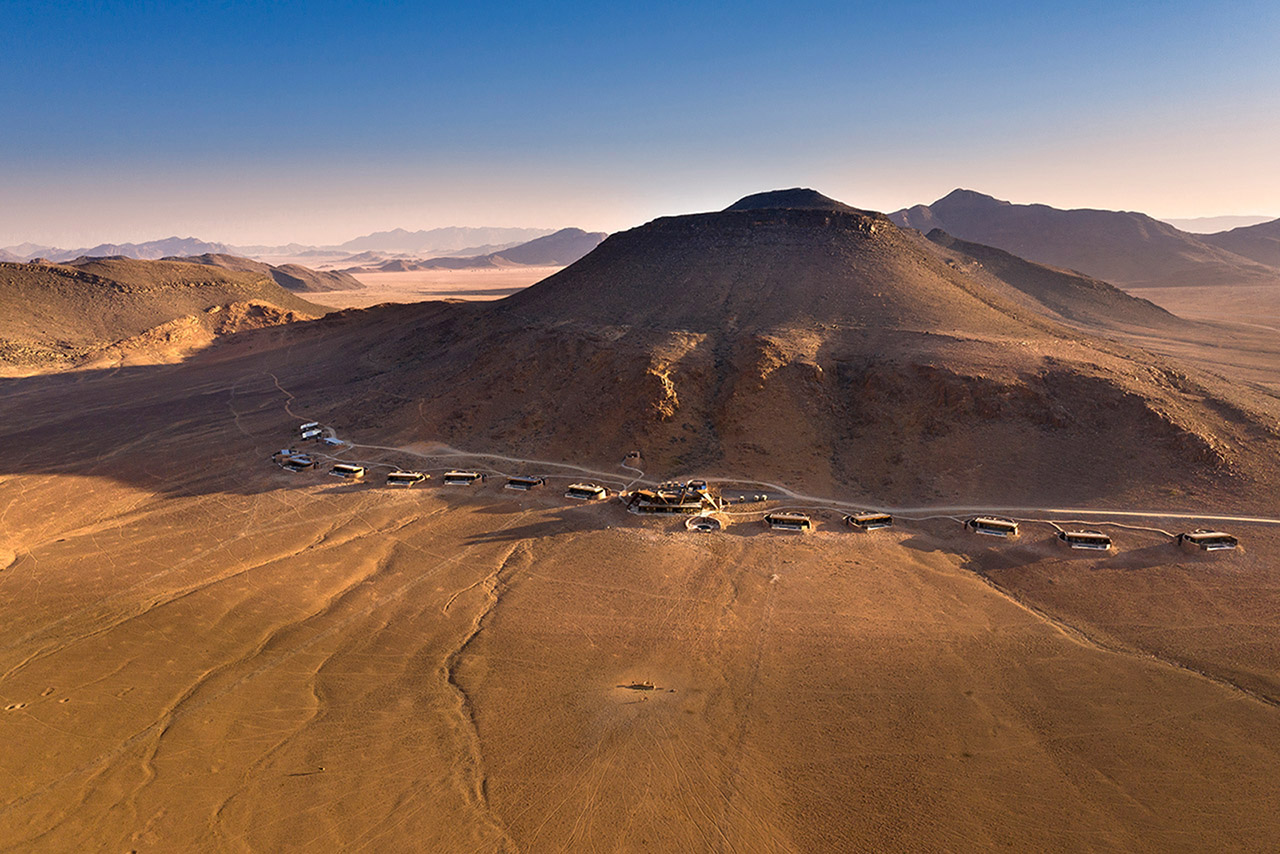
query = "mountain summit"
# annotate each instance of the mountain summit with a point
(782, 259)
(797, 198)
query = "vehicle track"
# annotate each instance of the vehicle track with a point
(818, 502)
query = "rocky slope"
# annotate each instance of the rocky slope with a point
(55, 316)
(293, 277)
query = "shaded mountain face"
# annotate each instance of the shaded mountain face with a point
(1260, 242)
(293, 277)
(120, 310)
(822, 348)
(563, 247)
(1125, 248)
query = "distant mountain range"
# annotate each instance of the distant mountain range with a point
(554, 250)
(1125, 248)
(150, 251)
(453, 240)
(437, 240)
(1122, 247)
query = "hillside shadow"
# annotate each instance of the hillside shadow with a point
(562, 522)
(983, 557)
(208, 425)
(983, 554)
(1148, 557)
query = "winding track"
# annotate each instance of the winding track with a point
(919, 514)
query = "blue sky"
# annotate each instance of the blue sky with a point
(257, 122)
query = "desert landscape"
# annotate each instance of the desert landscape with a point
(673, 428)
(208, 651)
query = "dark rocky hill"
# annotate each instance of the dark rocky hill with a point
(812, 345)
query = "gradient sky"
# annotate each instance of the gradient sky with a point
(315, 122)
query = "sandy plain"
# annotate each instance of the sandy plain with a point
(1254, 305)
(206, 653)
(419, 285)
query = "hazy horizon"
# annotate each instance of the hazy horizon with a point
(1192, 225)
(250, 125)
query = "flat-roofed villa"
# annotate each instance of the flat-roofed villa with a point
(993, 526)
(524, 483)
(1208, 541)
(784, 521)
(1094, 540)
(868, 521)
(462, 478)
(350, 471)
(401, 477)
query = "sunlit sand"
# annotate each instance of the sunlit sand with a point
(417, 286)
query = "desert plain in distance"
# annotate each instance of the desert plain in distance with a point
(204, 651)
(420, 285)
